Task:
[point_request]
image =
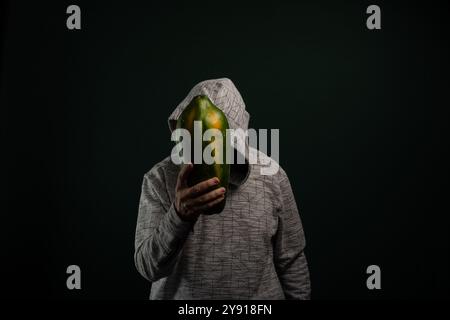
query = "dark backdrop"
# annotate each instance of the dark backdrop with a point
(363, 119)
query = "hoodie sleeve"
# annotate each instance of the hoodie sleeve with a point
(160, 232)
(289, 256)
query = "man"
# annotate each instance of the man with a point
(253, 249)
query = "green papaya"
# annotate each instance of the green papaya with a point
(202, 109)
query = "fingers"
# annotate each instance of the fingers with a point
(202, 187)
(208, 197)
(184, 174)
(210, 204)
(191, 201)
(203, 203)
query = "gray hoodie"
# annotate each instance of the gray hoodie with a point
(253, 249)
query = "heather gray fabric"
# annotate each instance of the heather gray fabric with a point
(254, 249)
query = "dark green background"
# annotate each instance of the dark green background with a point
(363, 119)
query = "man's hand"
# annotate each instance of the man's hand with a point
(190, 202)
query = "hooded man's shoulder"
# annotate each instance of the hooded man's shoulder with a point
(267, 167)
(268, 178)
(163, 173)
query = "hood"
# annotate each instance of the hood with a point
(227, 98)
(224, 95)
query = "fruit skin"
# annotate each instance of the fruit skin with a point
(202, 109)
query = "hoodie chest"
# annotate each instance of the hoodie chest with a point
(249, 218)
